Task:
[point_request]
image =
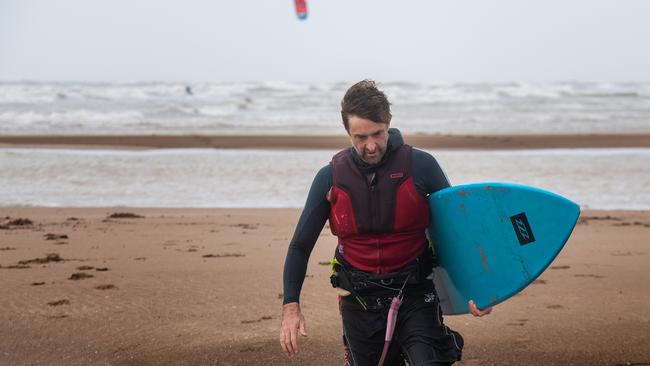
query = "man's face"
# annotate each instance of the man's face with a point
(368, 138)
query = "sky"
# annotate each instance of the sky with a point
(262, 40)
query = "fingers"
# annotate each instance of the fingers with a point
(283, 342)
(292, 323)
(294, 342)
(286, 342)
(476, 311)
(302, 328)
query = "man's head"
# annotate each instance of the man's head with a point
(366, 116)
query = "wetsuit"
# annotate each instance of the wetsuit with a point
(420, 334)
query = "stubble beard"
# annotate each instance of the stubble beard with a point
(375, 159)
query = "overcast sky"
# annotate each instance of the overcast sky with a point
(388, 40)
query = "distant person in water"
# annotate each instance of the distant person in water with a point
(188, 90)
(374, 195)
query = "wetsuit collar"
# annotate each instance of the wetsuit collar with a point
(395, 140)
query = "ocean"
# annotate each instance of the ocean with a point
(595, 178)
(314, 108)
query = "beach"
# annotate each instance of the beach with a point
(142, 225)
(149, 286)
(437, 141)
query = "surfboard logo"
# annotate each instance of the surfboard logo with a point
(522, 228)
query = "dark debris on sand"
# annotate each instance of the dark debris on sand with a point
(16, 266)
(52, 236)
(124, 215)
(15, 222)
(59, 302)
(101, 269)
(256, 320)
(51, 257)
(105, 287)
(223, 255)
(85, 268)
(80, 276)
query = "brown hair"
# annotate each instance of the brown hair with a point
(364, 100)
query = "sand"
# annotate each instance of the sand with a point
(425, 141)
(203, 287)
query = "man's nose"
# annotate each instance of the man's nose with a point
(371, 145)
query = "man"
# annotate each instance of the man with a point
(374, 195)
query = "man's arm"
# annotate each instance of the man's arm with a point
(311, 223)
(309, 226)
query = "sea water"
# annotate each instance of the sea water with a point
(313, 108)
(594, 178)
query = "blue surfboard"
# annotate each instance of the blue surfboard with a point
(493, 239)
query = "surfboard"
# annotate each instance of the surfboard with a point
(491, 240)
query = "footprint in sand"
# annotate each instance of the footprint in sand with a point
(555, 307)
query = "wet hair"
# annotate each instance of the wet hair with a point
(364, 100)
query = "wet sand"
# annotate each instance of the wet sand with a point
(329, 142)
(203, 287)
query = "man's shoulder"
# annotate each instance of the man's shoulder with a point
(421, 156)
(324, 175)
(326, 170)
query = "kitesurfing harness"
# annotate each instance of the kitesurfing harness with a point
(352, 280)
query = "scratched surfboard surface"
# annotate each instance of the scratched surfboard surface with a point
(493, 239)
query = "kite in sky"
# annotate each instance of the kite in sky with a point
(301, 9)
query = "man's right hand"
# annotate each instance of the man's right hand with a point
(292, 323)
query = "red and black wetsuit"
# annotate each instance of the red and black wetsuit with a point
(379, 214)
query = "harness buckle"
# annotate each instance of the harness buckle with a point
(387, 282)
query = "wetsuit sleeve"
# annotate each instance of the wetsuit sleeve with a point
(427, 173)
(311, 222)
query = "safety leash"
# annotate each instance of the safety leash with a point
(391, 320)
